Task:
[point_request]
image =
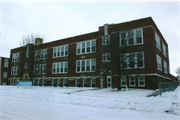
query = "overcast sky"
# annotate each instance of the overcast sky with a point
(58, 20)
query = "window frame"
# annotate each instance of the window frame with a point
(60, 51)
(134, 37)
(106, 57)
(139, 81)
(62, 66)
(130, 80)
(106, 39)
(80, 47)
(159, 65)
(123, 81)
(92, 65)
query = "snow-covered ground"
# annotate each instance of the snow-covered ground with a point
(86, 103)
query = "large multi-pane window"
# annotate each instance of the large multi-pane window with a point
(123, 79)
(40, 54)
(164, 50)
(88, 65)
(133, 60)
(133, 37)
(159, 63)
(141, 81)
(60, 51)
(15, 57)
(106, 57)
(14, 70)
(86, 47)
(158, 44)
(132, 81)
(60, 67)
(165, 66)
(106, 40)
(40, 69)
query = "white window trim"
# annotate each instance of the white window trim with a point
(124, 81)
(60, 67)
(134, 37)
(130, 81)
(76, 82)
(64, 82)
(80, 44)
(85, 65)
(16, 57)
(14, 70)
(139, 81)
(42, 53)
(55, 50)
(92, 80)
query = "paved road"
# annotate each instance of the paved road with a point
(20, 109)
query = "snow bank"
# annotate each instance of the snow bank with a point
(134, 99)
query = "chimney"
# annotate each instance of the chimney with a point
(38, 41)
(105, 29)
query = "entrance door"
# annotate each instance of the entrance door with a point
(108, 81)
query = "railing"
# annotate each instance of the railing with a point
(167, 86)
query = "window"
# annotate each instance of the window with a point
(123, 39)
(165, 67)
(15, 57)
(123, 78)
(139, 36)
(14, 70)
(164, 50)
(40, 54)
(27, 54)
(77, 82)
(60, 51)
(140, 59)
(88, 65)
(26, 66)
(133, 37)
(132, 81)
(141, 81)
(65, 82)
(5, 69)
(133, 60)
(159, 64)
(158, 44)
(106, 57)
(60, 67)
(93, 82)
(85, 82)
(40, 69)
(86, 47)
(106, 40)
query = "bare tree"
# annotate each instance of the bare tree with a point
(31, 66)
(178, 71)
(29, 39)
(114, 55)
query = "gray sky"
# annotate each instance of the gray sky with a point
(58, 20)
